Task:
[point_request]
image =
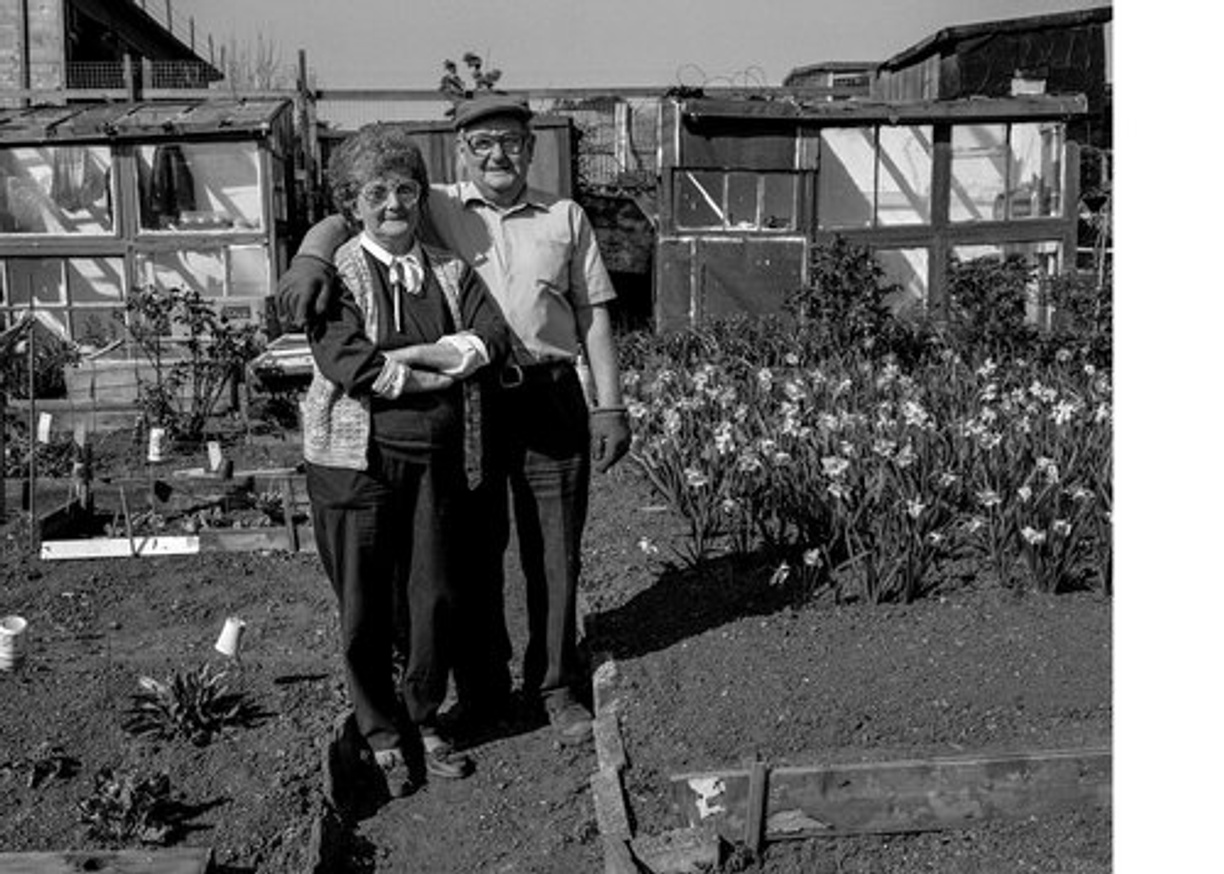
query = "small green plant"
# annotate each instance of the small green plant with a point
(124, 807)
(194, 350)
(194, 705)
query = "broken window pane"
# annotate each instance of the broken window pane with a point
(192, 187)
(56, 190)
(906, 157)
(699, 198)
(979, 172)
(846, 182)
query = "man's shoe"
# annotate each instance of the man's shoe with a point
(570, 720)
(395, 770)
(443, 760)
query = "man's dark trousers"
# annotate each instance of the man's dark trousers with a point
(539, 434)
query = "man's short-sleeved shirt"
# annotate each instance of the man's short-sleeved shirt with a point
(539, 259)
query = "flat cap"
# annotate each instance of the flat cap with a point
(489, 104)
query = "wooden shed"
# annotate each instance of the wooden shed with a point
(748, 187)
(552, 164)
(98, 198)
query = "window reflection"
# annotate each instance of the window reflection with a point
(56, 190)
(846, 183)
(78, 297)
(1006, 172)
(739, 200)
(199, 187)
(906, 158)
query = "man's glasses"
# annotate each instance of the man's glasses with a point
(376, 193)
(482, 144)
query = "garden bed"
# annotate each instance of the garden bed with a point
(716, 666)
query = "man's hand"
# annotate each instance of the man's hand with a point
(304, 291)
(426, 356)
(610, 437)
(421, 381)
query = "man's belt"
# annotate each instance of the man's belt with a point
(518, 375)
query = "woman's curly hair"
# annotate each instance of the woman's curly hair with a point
(374, 151)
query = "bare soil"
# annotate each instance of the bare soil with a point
(715, 664)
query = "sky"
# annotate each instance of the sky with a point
(572, 44)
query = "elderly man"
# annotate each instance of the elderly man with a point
(537, 254)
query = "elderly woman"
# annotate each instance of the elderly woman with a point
(391, 438)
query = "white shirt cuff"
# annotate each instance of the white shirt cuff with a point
(472, 349)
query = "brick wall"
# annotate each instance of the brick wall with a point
(43, 20)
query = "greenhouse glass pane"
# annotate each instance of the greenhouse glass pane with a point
(699, 199)
(249, 271)
(198, 187)
(41, 277)
(56, 190)
(846, 182)
(906, 158)
(1037, 170)
(778, 201)
(202, 271)
(979, 172)
(909, 269)
(96, 281)
(742, 200)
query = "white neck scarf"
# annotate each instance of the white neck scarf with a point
(407, 274)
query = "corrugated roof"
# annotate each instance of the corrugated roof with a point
(139, 121)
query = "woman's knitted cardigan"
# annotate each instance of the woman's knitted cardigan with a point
(335, 426)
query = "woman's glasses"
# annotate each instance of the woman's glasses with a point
(376, 193)
(482, 144)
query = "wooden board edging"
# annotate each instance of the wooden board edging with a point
(213, 540)
(898, 796)
(172, 860)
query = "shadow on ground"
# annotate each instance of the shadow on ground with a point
(686, 602)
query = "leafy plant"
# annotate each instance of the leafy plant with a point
(845, 305)
(194, 705)
(194, 351)
(127, 806)
(988, 302)
(51, 354)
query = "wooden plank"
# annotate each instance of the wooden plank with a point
(609, 748)
(606, 683)
(209, 540)
(120, 547)
(176, 860)
(899, 796)
(754, 828)
(618, 858)
(610, 812)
